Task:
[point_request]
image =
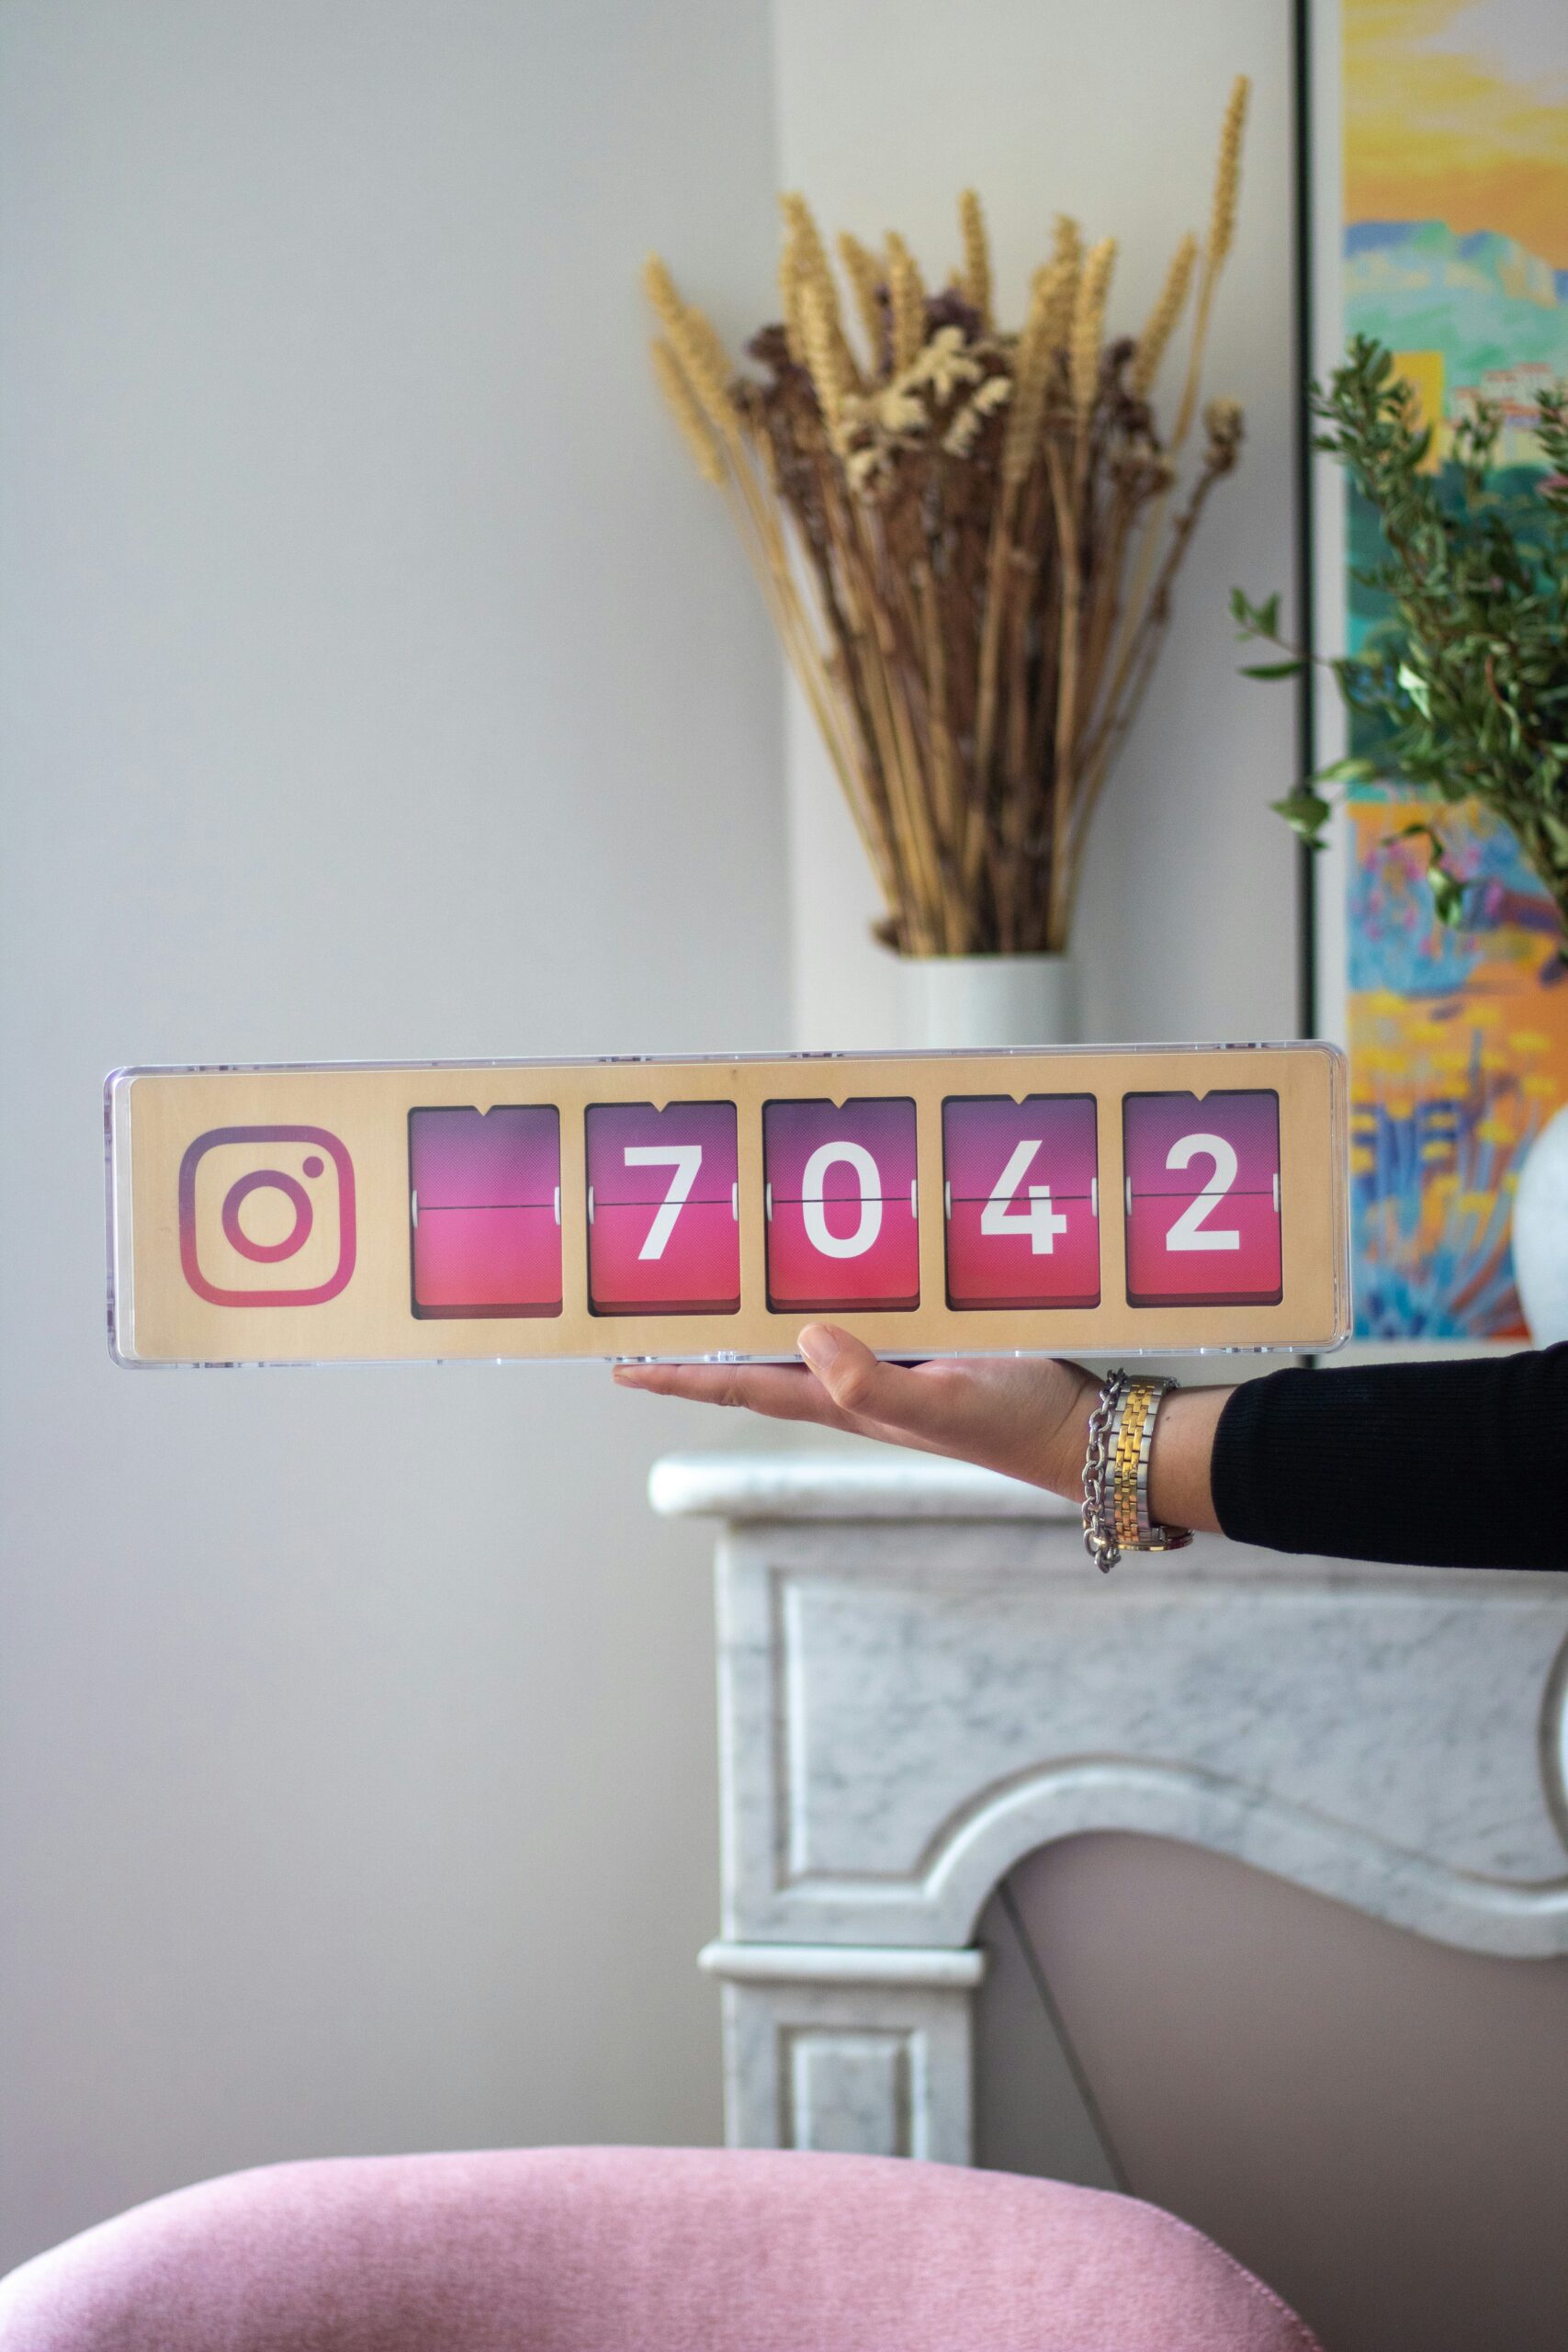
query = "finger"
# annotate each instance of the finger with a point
(782, 1392)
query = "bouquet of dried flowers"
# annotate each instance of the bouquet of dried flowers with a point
(968, 538)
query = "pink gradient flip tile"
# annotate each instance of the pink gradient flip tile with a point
(1202, 1199)
(1156, 1128)
(842, 1222)
(1166, 1267)
(1022, 1201)
(485, 1210)
(663, 1229)
(505, 1158)
(486, 1261)
(697, 1272)
(618, 1132)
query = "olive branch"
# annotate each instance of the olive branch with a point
(1466, 688)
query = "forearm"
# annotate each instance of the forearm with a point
(1460, 1464)
(1180, 1461)
(1445, 1464)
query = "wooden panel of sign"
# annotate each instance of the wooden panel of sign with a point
(1150, 1199)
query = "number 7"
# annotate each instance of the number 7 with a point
(686, 1159)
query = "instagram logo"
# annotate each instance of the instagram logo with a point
(266, 1217)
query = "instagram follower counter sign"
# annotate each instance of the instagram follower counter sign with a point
(266, 1217)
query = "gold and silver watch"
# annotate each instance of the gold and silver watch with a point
(1116, 1473)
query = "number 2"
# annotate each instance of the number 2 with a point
(1038, 1220)
(686, 1159)
(1190, 1231)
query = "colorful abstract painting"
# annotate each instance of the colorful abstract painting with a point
(1454, 139)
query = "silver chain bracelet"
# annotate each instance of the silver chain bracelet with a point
(1100, 1541)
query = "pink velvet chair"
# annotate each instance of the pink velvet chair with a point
(639, 2250)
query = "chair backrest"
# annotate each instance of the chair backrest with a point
(639, 2250)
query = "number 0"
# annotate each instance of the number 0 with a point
(814, 1214)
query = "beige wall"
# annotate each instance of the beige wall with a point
(379, 682)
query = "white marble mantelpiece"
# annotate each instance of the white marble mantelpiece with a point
(922, 1679)
(858, 1485)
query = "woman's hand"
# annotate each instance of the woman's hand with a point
(1027, 1417)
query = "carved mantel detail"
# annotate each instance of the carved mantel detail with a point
(923, 1679)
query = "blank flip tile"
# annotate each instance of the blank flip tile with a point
(484, 1211)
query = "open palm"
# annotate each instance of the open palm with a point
(1025, 1415)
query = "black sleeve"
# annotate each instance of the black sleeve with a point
(1449, 1465)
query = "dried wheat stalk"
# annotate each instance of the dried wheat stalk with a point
(967, 540)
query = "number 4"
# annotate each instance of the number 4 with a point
(686, 1159)
(1038, 1220)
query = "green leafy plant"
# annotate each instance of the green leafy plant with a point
(1464, 694)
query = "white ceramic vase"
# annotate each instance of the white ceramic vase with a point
(1540, 1232)
(949, 1002)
